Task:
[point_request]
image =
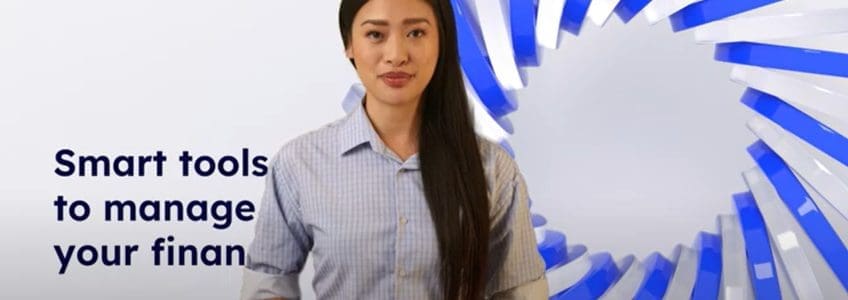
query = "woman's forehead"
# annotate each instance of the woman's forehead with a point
(395, 12)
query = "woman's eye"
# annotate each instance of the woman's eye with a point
(416, 33)
(376, 35)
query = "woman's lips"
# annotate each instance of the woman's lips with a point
(396, 79)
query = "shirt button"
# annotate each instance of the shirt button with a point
(402, 220)
(401, 273)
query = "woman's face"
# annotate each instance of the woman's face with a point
(395, 46)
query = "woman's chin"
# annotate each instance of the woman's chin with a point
(402, 96)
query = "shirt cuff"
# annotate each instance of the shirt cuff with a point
(258, 285)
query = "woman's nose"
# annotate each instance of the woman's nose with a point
(396, 52)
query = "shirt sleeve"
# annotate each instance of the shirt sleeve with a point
(280, 245)
(514, 257)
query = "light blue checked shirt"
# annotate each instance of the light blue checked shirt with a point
(340, 193)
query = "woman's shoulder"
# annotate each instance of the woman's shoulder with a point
(500, 169)
(311, 146)
(495, 157)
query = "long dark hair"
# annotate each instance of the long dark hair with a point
(450, 162)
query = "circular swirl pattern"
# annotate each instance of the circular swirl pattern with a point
(798, 189)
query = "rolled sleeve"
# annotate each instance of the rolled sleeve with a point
(515, 266)
(280, 245)
(260, 285)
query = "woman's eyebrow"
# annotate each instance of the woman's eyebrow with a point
(409, 21)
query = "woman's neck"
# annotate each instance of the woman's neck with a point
(397, 125)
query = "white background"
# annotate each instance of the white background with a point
(631, 137)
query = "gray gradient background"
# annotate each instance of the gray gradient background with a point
(631, 138)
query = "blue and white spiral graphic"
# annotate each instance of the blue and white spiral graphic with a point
(801, 155)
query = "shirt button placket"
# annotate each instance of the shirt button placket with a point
(400, 273)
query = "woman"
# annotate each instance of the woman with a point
(379, 224)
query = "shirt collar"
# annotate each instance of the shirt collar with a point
(357, 130)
